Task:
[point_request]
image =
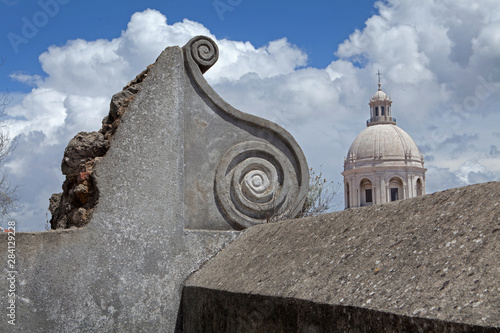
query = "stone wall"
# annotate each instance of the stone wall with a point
(428, 264)
(154, 215)
(209, 310)
(75, 205)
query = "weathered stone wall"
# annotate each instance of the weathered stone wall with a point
(127, 187)
(74, 206)
(209, 310)
(124, 270)
(428, 264)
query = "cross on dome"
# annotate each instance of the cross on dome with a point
(379, 77)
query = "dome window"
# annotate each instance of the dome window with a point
(396, 189)
(347, 195)
(420, 188)
(394, 194)
(368, 195)
(366, 192)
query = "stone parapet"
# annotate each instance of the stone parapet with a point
(150, 195)
(427, 264)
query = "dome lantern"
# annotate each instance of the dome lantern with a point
(380, 107)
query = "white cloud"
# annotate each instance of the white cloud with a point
(439, 62)
(30, 80)
(238, 59)
(148, 34)
(472, 172)
(42, 110)
(89, 68)
(442, 178)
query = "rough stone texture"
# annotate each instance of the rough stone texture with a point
(425, 264)
(210, 310)
(74, 206)
(128, 186)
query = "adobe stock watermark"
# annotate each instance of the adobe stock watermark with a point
(30, 26)
(11, 272)
(470, 104)
(223, 6)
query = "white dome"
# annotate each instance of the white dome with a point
(383, 141)
(379, 96)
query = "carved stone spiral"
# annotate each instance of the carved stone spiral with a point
(204, 52)
(255, 183)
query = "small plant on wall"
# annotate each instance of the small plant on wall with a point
(318, 201)
(320, 196)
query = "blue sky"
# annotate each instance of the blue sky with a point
(308, 66)
(257, 21)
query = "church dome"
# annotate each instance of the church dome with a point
(379, 96)
(383, 163)
(383, 141)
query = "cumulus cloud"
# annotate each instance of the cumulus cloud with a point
(472, 172)
(40, 111)
(442, 178)
(80, 78)
(436, 49)
(237, 59)
(440, 64)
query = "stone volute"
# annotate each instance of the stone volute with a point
(240, 169)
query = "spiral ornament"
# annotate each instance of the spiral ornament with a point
(204, 52)
(255, 183)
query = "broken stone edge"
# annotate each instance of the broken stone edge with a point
(74, 206)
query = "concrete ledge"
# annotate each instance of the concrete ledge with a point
(433, 257)
(208, 310)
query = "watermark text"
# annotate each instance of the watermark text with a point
(30, 26)
(223, 6)
(11, 272)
